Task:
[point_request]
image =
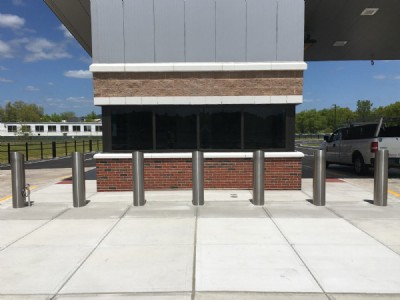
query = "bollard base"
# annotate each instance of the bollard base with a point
(255, 204)
(140, 204)
(197, 204)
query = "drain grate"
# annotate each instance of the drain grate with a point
(234, 195)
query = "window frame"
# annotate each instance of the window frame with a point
(287, 138)
(40, 127)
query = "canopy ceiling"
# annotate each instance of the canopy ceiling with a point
(366, 37)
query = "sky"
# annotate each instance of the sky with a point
(41, 63)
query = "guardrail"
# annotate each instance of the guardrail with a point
(43, 150)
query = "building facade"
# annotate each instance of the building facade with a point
(220, 76)
(51, 129)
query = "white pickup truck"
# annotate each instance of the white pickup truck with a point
(356, 145)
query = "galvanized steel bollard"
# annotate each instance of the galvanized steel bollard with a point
(381, 178)
(18, 180)
(198, 178)
(258, 178)
(78, 179)
(319, 185)
(138, 178)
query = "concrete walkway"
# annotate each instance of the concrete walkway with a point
(227, 249)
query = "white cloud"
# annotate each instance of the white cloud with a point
(380, 77)
(50, 83)
(81, 74)
(11, 21)
(3, 68)
(43, 49)
(5, 80)
(31, 88)
(5, 50)
(66, 32)
(18, 2)
(397, 77)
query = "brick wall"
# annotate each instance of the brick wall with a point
(227, 173)
(246, 83)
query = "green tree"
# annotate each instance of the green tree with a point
(309, 121)
(67, 115)
(91, 117)
(1, 114)
(364, 109)
(54, 117)
(390, 111)
(20, 111)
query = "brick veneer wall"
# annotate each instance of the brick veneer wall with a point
(226, 173)
(165, 84)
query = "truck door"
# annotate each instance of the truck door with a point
(333, 147)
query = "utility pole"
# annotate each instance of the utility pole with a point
(334, 105)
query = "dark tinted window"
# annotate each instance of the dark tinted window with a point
(131, 129)
(220, 128)
(176, 128)
(190, 127)
(264, 127)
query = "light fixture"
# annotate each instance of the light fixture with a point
(339, 43)
(369, 11)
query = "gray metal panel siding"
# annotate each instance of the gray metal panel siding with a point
(108, 36)
(200, 30)
(139, 31)
(146, 31)
(290, 30)
(169, 30)
(231, 30)
(261, 30)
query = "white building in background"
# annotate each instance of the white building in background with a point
(51, 129)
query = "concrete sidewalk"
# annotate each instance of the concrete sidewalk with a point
(227, 249)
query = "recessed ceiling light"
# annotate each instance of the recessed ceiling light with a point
(369, 11)
(339, 43)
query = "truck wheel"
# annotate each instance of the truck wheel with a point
(359, 166)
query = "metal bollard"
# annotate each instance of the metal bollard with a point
(381, 178)
(18, 180)
(258, 178)
(319, 184)
(138, 178)
(198, 178)
(78, 179)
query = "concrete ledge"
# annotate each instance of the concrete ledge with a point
(199, 100)
(206, 155)
(200, 67)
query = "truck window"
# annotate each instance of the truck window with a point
(392, 131)
(336, 136)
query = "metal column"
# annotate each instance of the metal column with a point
(381, 178)
(319, 191)
(138, 178)
(18, 180)
(258, 178)
(198, 178)
(78, 179)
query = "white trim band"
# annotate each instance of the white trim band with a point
(199, 100)
(201, 67)
(206, 155)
